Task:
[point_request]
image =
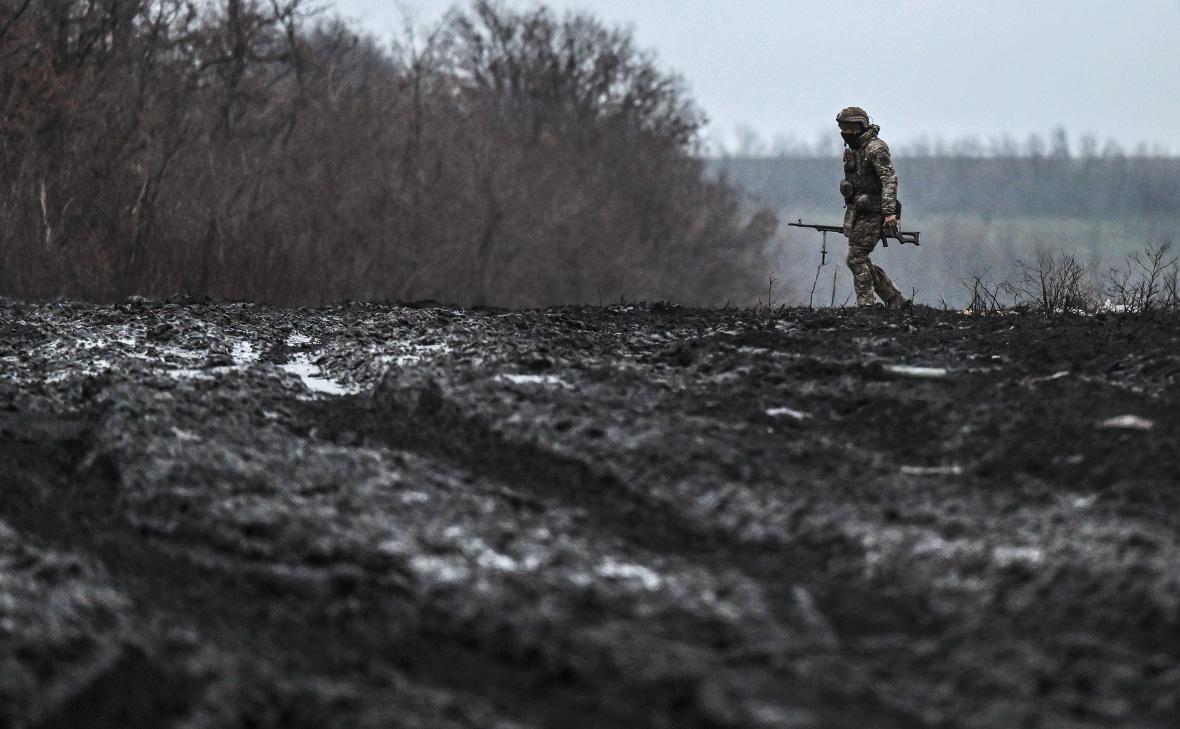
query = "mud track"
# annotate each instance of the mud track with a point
(223, 515)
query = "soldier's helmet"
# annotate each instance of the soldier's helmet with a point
(853, 115)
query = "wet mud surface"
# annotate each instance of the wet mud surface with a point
(224, 515)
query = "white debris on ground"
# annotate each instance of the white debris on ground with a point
(1007, 556)
(298, 339)
(1127, 422)
(95, 367)
(1049, 378)
(1082, 502)
(780, 412)
(1110, 306)
(951, 470)
(609, 568)
(549, 380)
(190, 373)
(440, 569)
(493, 560)
(1106, 307)
(927, 373)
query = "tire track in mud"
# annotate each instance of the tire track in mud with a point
(417, 415)
(234, 605)
(240, 604)
(800, 579)
(421, 419)
(310, 625)
(1063, 635)
(44, 494)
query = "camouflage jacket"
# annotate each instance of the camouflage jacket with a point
(868, 172)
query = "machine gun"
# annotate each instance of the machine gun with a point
(886, 233)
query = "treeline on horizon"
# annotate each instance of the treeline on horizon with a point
(1060, 186)
(249, 149)
(1058, 144)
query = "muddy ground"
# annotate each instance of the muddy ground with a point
(226, 515)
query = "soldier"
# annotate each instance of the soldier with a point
(869, 188)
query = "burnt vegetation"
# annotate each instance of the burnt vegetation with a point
(250, 149)
(1054, 282)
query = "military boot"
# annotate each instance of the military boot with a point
(899, 302)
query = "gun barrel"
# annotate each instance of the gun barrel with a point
(821, 228)
(902, 236)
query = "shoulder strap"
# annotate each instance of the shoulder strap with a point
(874, 144)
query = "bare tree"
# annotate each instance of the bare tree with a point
(247, 148)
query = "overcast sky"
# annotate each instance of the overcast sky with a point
(946, 68)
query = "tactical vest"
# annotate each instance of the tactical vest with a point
(860, 172)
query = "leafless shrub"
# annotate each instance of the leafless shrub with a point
(985, 293)
(1056, 282)
(1146, 282)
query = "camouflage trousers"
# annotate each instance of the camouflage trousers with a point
(863, 233)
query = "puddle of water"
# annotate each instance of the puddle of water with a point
(314, 380)
(243, 353)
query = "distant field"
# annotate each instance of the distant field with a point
(988, 223)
